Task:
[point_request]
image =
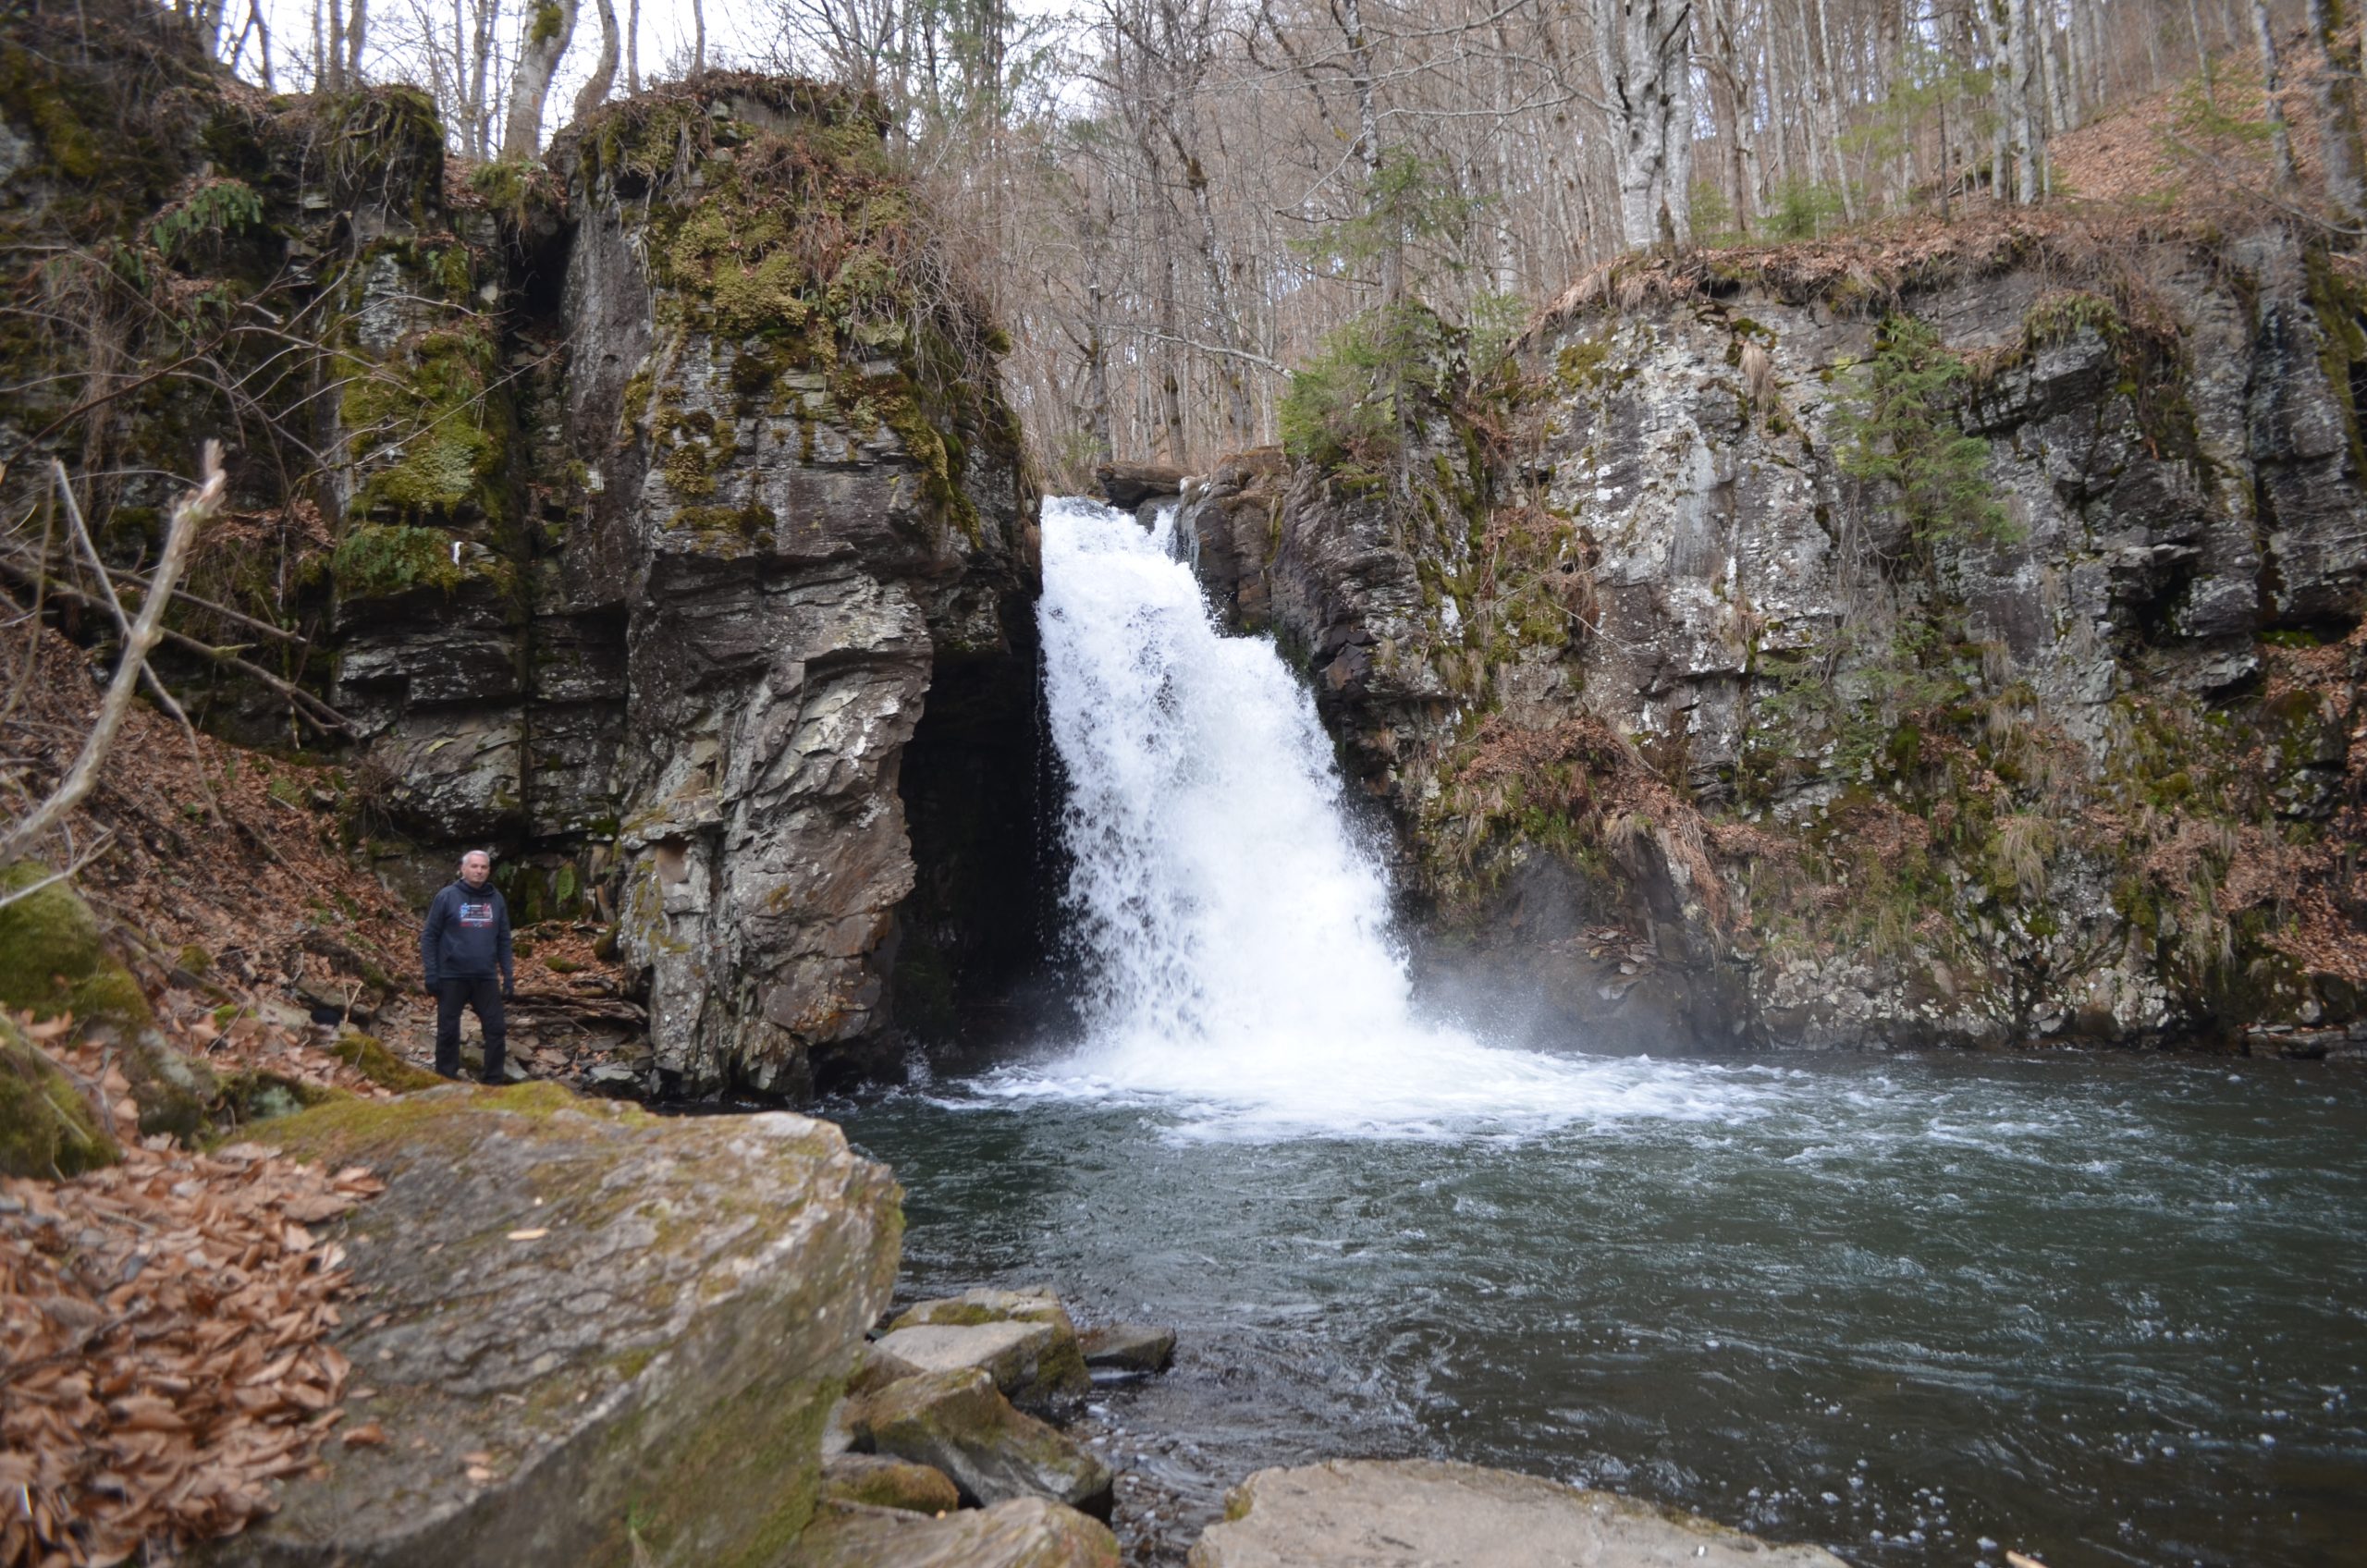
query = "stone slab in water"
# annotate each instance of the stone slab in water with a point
(1032, 1349)
(1024, 1533)
(597, 1337)
(1423, 1513)
(1006, 1352)
(1128, 1347)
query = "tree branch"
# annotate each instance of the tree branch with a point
(191, 513)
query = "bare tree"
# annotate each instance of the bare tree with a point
(551, 30)
(1646, 61)
(595, 91)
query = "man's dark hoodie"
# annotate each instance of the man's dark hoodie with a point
(466, 937)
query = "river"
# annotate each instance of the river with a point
(1919, 1308)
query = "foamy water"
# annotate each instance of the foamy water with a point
(1231, 930)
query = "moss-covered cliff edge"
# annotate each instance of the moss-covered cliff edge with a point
(653, 516)
(1947, 639)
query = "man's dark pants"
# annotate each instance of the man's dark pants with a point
(485, 996)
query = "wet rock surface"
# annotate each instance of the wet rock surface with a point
(590, 1335)
(1128, 1347)
(1425, 1514)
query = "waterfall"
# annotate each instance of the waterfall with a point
(1231, 930)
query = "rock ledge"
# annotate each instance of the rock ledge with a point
(1424, 1513)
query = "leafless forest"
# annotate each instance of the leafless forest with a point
(1175, 203)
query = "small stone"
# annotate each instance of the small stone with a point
(1128, 1347)
(881, 1480)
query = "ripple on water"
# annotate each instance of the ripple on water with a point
(1654, 1289)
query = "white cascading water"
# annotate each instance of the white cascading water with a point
(1233, 930)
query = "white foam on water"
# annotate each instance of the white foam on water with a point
(1231, 930)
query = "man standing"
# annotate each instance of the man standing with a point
(464, 945)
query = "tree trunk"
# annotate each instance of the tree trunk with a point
(2272, 88)
(2018, 65)
(355, 27)
(698, 36)
(1644, 51)
(550, 28)
(632, 49)
(595, 91)
(1824, 91)
(2336, 86)
(486, 13)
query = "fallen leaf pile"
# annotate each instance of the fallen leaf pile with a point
(162, 1356)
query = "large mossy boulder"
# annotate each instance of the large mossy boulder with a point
(1426, 1514)
(596, 1336)
(47, 1127)
(958, 1422)
(1022, 1533)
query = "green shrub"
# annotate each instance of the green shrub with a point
(1904, 434)
(1349, 406)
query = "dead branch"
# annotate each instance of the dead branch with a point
(190, 515)
(308, 707)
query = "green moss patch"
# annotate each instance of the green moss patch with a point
(53, 959)
(47, 1129)
(369, 1056)
(431, 436)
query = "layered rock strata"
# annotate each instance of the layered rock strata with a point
(667, 530)
(1794, 651)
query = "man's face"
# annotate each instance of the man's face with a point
(474, 869)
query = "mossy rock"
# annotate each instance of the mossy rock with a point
(1025, 1533)
(53, 959)
(369, 1056)
(675, 1302)
(47, 1128)
(958, 1422)
(176, 1094)
(1043, 1372)
(253, 1096)
(877, 1480)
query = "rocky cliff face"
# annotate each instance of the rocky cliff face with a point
(642, 516)
(1954, 643)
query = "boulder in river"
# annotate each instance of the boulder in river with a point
(1425, 1514)
(1022, 1533)
(1128, 485)
(596, 1336)
(1128, 1347)
(958, 1422)
(1022, 1338)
